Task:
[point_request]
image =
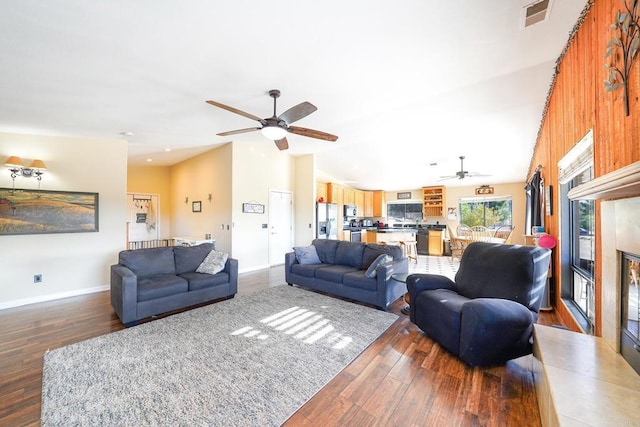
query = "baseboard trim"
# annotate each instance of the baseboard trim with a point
(51, 297)
(257, 267)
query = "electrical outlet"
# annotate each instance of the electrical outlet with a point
(37, 278)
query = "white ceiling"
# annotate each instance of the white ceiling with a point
(403, 84)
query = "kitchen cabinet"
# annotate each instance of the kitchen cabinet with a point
(433, 202)
(359, 196)
(321, 191)
(368, 204)
(346, 235)
(348, 196)
(436, 240)
(379, 204)
(335, 194)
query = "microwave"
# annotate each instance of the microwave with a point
(350, 211)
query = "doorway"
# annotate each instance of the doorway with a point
(280, 225)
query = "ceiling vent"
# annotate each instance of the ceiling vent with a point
(536, 12)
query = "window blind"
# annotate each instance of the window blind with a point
(577, 160)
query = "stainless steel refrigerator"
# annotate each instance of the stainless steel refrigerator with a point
(326, 221)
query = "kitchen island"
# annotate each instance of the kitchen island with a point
(391, 236)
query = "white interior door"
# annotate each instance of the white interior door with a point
(280, 226)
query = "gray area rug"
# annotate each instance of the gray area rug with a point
(249, 361)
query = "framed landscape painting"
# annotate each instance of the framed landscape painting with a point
(42, 211)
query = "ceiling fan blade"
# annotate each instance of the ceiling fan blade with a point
(235, 132)
(282, 144)
(298, 112)
(311, 133)
(235, 110)
(444, 178)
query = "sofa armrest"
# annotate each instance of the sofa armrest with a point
(124, 293)
(419, 282)
(231, 268)
(494, 330)
(289, 260)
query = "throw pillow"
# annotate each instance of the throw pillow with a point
(307, 255)
(381, 259)
(213, 263)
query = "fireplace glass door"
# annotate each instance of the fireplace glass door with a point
(630, 334)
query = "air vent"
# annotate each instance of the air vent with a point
(536, 12)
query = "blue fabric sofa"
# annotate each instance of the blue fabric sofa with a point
(486, 315)
(342, 271)
(147, 282)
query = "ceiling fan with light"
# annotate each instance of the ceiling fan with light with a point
(276, 127)
(462, 174)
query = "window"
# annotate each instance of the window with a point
(404, 212)
(488, 212)
(578, 228)
(582, 253)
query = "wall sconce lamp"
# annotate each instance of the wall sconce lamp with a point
(16, 167)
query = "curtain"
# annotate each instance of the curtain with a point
(534, 201)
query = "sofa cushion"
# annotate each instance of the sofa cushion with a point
(350, 254)
(188, 258)
(307, 255)
(439, 312)
(307, 270)
(148, 262)
(370, 273)
(357, 279)
(163, 285)
(483, 273)
(372, 251)
(334, 273)
(199, 281)
(326, 250)
(213, 263)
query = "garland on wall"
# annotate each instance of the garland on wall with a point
(556, 71)
(626, 38)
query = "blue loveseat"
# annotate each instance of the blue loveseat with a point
(147, 282)
(342, 268)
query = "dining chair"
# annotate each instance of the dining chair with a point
(480, 233)
(504, 232)
(463, 230)
(457, 244)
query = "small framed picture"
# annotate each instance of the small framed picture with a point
(196, 206)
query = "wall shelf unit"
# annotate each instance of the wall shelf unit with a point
(433, 202)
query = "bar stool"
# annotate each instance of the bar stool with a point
(410, 250)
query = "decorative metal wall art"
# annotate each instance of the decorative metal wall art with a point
(625, 38)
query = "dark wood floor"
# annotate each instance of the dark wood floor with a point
(403, 378)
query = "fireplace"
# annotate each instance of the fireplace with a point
(619, 192)
(630, 310)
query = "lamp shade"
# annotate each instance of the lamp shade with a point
(274, 132)
(38, 164)
(14, 161)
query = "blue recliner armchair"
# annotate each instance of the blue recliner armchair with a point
(486, 315)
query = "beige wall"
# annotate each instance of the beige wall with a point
(305, 200)
(515, 190)
(194, 179)
(153, 180)
(258, 167)
(70, 263)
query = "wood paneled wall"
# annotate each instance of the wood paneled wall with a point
(578, 102)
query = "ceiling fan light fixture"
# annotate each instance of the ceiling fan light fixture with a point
(274, 133)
